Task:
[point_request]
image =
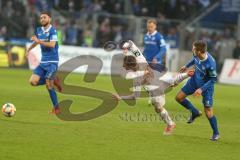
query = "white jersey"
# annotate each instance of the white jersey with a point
(154, 81)
(138, 76)
(135, 51)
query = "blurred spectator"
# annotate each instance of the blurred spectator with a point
(71, 33)
(3, 32)
(87, 38)
(172, 37)
(236, 51)
(117, 33)
(136, 8)
(95, 6)
(71, 6)
(59, 31)
(216, 50)
(104, 33)
(8, 9)
(204, 3)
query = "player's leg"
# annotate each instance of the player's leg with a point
(177, 79)
(34, 79)
(159, 102)
(182, 76)
(50, 76)
(37, 78)
(181, 98)
(57, 83)
(208, 102)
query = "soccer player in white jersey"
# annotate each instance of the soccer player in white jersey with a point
(145, 76)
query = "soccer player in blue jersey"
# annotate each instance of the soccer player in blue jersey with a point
(154, 44)
(45, 73)
(201, 83)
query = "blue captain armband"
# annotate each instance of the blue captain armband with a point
(212, 72)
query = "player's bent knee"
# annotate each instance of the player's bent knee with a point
(158, 102)
(208, 115)
(33, 83)
(157, 106)
(180, 96)
(49, 84)
(178, 99)
(208, 112)
(159, 109)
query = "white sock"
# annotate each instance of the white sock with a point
(166, 118)
(180, 77)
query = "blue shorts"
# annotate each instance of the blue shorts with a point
(190, 87)
(46, 70)
(150, 58)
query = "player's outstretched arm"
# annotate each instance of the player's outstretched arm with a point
(33, 45)
(132, 96)
(189, 64)
(118, 98)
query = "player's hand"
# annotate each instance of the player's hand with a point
(35, 39)
(27, 53)
(183, 69)
(197, 93)
(174, 85)
(125, 51)
(148, 73)
(116, 97)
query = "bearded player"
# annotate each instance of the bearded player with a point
(45, 72)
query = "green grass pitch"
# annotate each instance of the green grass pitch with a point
(34, 134)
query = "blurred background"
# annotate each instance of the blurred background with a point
(91, 23)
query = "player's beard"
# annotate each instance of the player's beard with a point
(46, 24)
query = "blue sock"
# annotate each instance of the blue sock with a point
(53, 96)
(213, 123)
(42, 81)
(188, 105)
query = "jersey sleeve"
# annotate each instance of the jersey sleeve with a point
(53, 35)
(162, 42)
(136, 90)
(190, 63)
(162, 48)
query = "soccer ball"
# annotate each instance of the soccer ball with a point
(8, 110)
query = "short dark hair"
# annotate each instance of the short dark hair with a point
(200, 45)
(46, 12)
(130, 63)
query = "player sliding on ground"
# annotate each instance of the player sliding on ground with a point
(201, 83)
(147, 77)
(45, 73)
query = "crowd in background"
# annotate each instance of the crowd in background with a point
(18, 19)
